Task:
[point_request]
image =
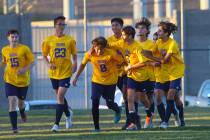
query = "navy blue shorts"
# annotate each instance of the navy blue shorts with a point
(175, 84)
(122, 81)
(12, 90)
(60, 83)
(106, 91)
(138, 86)
(150, 86)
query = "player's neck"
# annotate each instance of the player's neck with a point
(130, 41)
(59, 34)
(13, 45)
(118, 35)
(165, 39)
(142, 39)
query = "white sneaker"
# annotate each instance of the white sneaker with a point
(69, 123)
(164, 125)
(177, 121)
(55, 128)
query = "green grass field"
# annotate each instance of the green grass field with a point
(40, 122)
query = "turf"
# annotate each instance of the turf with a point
(40, 122)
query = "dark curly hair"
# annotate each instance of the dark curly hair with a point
(168, 27)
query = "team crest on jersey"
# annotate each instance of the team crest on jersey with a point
(60, 44)
(101, 61)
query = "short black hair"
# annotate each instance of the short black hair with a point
(59, 18)
(12, 31)
(100, 41)
(129, 30)
(118, 20)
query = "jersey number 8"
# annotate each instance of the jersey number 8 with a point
(103, 68)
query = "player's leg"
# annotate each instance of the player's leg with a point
(21, 105)
(108, 94)
(131, 93)
(96, 95)
(11, 94)
(170, 100)
(159, 93)
(179, 106)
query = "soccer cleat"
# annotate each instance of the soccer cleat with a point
(125, 125)
(164, 125)
(15, 131)
(131, 127)
(69, 123)
(148, 122)
(117, 117)
(177, 121)
(96, 130)
(55, 128)
(23, 117)
(182, 124)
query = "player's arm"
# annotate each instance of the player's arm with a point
(148, 54)
(74, 65)
(81, 68)
(166, 58)
(30, 61)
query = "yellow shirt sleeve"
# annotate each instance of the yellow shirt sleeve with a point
(86, 59)
(45, 48)
(173, 48)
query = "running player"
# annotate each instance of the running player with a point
(18, 60)
(172, 70)
(143, 30)
(104, 77)
(57, 51)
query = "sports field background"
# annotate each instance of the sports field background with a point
(40, 122)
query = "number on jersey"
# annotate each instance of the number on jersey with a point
(60, 52)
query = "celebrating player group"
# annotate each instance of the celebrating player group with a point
(144, 70)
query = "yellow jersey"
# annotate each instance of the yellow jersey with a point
(133, 55)
(148, 45)
(104, 66)
(175, 67)
(60, 50)
(111, 40)
(15, 59)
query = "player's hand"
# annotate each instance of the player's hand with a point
(74, 82)
(21, 71)
(52, 66)
(91, 50)
(128, 68)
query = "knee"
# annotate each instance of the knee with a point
(109, 103)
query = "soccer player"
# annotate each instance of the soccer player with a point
(172, 68)
(104, 77)
(57, 51)
(143, 30)
(18, 60)
(137, 76)
(117, 25)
